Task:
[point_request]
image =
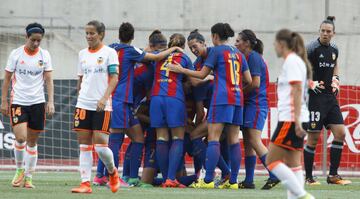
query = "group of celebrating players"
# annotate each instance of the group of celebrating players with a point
(157, 96)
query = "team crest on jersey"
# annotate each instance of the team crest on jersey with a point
(15, 119)
(333, 56)
(76, 123)
(313, 125)
(40, 63)
(100, 60)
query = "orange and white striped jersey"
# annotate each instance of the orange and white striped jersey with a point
(93, 67)
(28, 75)
(293, 71)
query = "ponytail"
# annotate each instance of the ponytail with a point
(255, 43)
(224, 30)
(295, 43)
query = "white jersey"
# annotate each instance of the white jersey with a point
(93, 67)
(293, 70)
(28, 75)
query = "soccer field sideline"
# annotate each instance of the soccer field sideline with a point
(56, 185)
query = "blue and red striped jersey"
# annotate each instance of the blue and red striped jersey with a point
(203, 91)
(128, 56)
(258, 67)
(143, 79)
(228, 64)
(167, 83)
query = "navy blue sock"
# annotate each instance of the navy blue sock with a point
(162, 157)
(127, 158)
(199, 153)
(250, 162)
(235, 160)
(187, 180)
(115, 142)
(263, 161)
(224, 150)
(100, 170)
(212, 158)
(135, 159)
(158, 181)
(225, 170)
(175, 156)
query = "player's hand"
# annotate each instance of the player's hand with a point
(101, 105)
(50, 109)
(335, 85)
(300, 132)
(209, 78)
(175, 67)
(316, 86)
(5, 110)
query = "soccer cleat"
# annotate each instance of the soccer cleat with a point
(125, 178)
(227, 185)
(337, 179)
(133, 182)
(100, 181)
(18, 178)
(307, 196)
(83, 188)
(201, 184)
(270, 183)
(114, 182)
(28, 183)
(172, 184)
(144, 185)
(311, 181)
(123, 183)
(246, 185)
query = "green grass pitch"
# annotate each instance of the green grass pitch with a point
(57, 185)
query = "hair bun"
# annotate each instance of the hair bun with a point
(194, 31)
(331, 18)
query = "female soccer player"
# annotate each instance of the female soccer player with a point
(284, 157)
(123, 97)
(98, 76)
(323, 106)
(29, 67)
(229, 66)
(256, 107)
(167, 110)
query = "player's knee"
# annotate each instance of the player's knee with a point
(339, 136)
(21, 140)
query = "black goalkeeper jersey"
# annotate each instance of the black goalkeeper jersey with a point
(323, 59)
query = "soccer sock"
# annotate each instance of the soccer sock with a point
(288, 178)
(100, 169)
(235, 159)
(335, 156)
(158, 181)
(199, 151)
(19, 152)
(225, 170)
(224, 151)
(263, 161)
(175, 157)
(162, 157)
(135, 159)
(300, 177)
(212, 158)
(309, 153)
(106, 156)
(250, 162)
(31, 157)
(115, 142)
(85, 162)
(126, 164)
(187, 180)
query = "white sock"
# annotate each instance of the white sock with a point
(85, 162)
(19, 152)
(31, 157)
(288, 178)
(106, 156)
(300, 176)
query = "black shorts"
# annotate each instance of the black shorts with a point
(324, 110)
(285, 136)
(33, 115)
(91, 121)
